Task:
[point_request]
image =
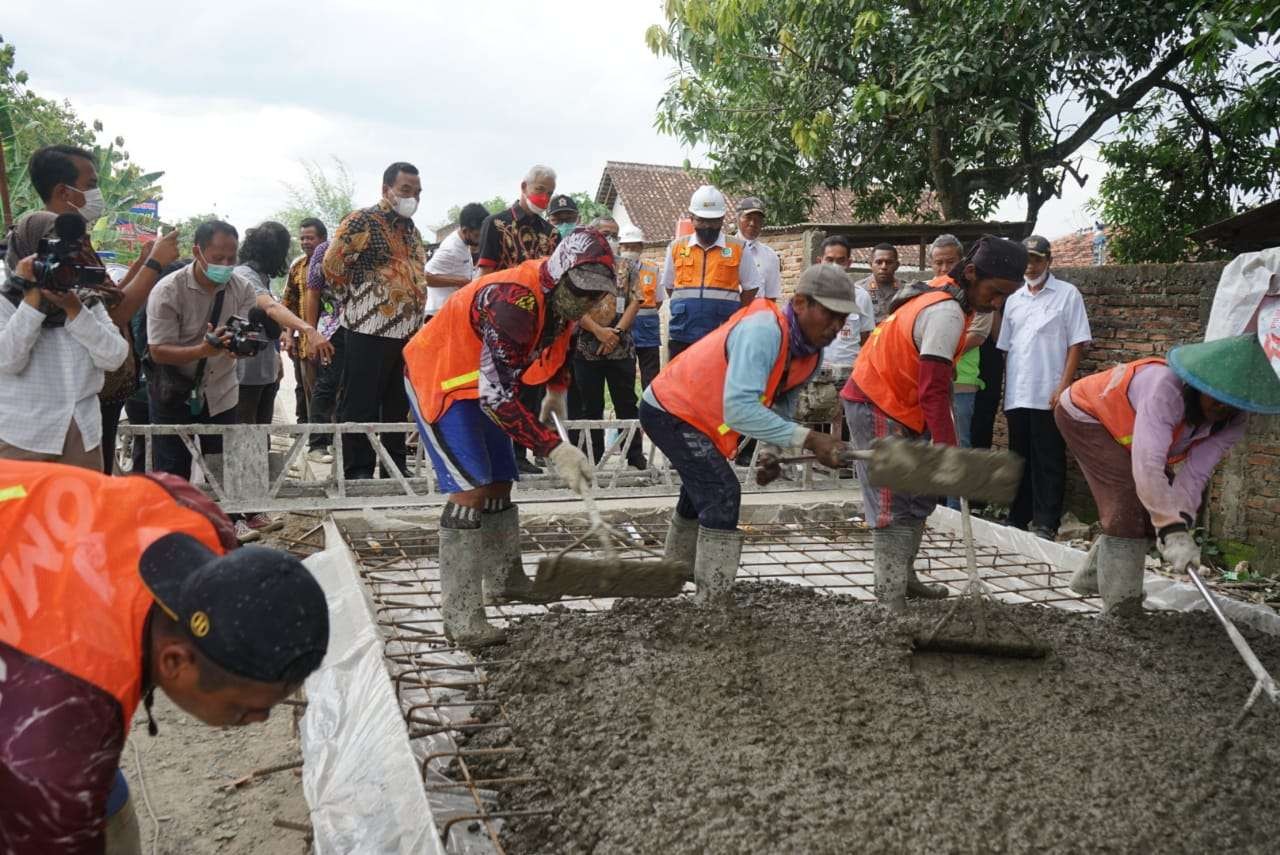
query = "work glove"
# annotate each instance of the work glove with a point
(572, 465)
(1181, 550)
(554, 402)
(768, 464)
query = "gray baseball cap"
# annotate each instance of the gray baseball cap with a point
(750, 204)
(830, 286)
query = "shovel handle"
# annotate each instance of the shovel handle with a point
(598, 525)
(1265, 682)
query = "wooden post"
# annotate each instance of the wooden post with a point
(922, 250)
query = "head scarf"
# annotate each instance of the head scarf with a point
(581, 246)
(23, 239)
(799, 346)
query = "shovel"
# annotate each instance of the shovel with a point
(925, 469)
(977, 594)
(608, 575)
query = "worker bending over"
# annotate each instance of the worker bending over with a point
(464, 371)
(109, 589)
(739, 380)
(901, 386)
(1129, 425)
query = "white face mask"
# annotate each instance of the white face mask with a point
(631, 255)
(1038, 281)
(94, 207)
(405, 206)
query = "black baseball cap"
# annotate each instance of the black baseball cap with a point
(258, 613)
(1036, 245)
(562, 203)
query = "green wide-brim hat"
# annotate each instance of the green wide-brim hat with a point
(1232, 370)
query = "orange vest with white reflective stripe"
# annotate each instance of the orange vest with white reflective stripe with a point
(1105, 396)
(443, 358)
(691, 387)
(70, 591)
(707, 287)
(888, 366)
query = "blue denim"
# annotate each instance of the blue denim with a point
(709, 488)
(962, 408)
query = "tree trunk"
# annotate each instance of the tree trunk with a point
(952, 197)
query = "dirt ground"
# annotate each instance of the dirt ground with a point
(801, 722)
(186, 767)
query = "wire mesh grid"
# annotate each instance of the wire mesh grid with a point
(461, 732)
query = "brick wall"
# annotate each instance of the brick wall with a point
(1144, 310)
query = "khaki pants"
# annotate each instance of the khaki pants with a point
(73, 453)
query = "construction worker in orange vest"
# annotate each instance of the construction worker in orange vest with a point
(741, 380)
(463, 375)
(109, 589)
(1128, 425)
(901, 386)
(643, 278)
(704, 274)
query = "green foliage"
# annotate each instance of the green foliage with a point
(893, 98)
(589, 208)
(493, 206)
(1171, 171)
(187, 230)
(328, 198)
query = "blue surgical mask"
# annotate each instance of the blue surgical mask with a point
(565, 228)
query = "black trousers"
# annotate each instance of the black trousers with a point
(327, 388)
(1034, 435)
(591, 376)
(139, 413)
(257, 403)
(170, 454)
(675, 348)
(110, 424)
(987, 402)
(299, 392)
(373, 391)
(650, 361)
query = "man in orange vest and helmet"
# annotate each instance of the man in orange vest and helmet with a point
(463, 374)
(901, 386)
(109, 589)
(1129, 425)
(739, 380)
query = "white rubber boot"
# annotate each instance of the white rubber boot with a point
(917, 590)
(503, 571)
(1121, 561)
(894, 551)
(461, 589)
(716, 565)
(682, 542)
(1085, 580)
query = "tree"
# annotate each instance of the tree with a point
(493, 206)
(1200, 150)
(328, 198)
(970, 100)
(589, 208)
(187, 229)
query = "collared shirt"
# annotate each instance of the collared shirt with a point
(178, 314)
(451, 258)
(263, 368)
(748, 275)
(767, 265)
(51, 375)
(375, 264)
(607, 313)
(1036, 333)
(513, 236)
(330, 306)
(295, 285)
(880, 297)
(843, 352)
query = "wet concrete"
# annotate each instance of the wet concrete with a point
(801, 722)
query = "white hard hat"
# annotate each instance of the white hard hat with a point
(631, 234)
(708, 203)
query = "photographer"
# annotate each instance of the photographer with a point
(193, 343)
(54, 350)
(66, 179)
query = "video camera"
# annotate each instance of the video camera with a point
(56, 264)
(248, 335)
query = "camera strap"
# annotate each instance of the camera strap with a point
(196, 402)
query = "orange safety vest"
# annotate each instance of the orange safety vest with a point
(1105, 396)
(888, 366)
(647, 272)
(70, 591)
(691, 387)
(443, 358)
(706, 288)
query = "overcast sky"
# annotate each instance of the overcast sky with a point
(228, 98)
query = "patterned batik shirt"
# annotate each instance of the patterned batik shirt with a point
(376, 265)
(514, 236)
(330, 306)
(609, 311)
(295, 285)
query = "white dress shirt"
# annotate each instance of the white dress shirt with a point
(843, 352)
(51, 375)
(1036, 333)
(451, 258)
(768, 266)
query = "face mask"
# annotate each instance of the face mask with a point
(570, 305)
(538, 201)
(1038, 281)
(564, 228)
(405, 206)
(613, 245)
(218, 274)
(707, 236)
(94, 207)
(631, 256)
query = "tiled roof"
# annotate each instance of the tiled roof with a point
(655, 196)
(1075, 249)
